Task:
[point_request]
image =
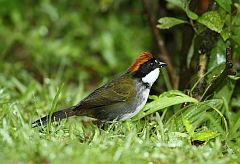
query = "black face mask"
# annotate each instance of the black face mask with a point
(146, 68)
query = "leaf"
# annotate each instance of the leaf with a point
(153, 97)
(184, 4)
(195, 113)
(225, 4)
(217, 55)
(165, 100)
(204, 135)
(188, 126)
(212, 20)
(192, 112)
(225, 34)
(214, 73)
(234, 77)
(168, 22)
(190, 14)
(226, 90)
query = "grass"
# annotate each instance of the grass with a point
(153, 139)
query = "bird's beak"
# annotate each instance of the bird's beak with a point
(161, 64)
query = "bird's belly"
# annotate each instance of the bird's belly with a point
(140, 101)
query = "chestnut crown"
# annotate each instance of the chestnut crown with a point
(144, 64)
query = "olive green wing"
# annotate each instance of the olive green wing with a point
(118, 90)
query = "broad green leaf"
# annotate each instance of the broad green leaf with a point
(168, 22)
(225, 4)
(194, 110)
(212, 20)
(188, 126)
(217, 55)
(195, 113)
(165, 100)
(225, 34)
(204, 135)
(184, 4)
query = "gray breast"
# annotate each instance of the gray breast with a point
(142, 93)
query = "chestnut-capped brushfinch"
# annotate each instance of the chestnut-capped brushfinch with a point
(119, 99)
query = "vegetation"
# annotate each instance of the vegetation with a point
(53, 54)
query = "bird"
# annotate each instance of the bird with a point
(118, 100)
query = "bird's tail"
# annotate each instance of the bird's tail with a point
(56, 116)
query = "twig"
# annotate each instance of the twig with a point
(208, 38)
(161, 46)
(229, 65)
(228, 70)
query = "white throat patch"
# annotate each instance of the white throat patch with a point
(151, 77)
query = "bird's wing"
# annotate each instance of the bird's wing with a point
(118, 90)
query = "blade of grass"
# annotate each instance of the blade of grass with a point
(53, 107)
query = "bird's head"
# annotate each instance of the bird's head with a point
(146, 67)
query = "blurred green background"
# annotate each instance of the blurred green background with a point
(75, 41)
